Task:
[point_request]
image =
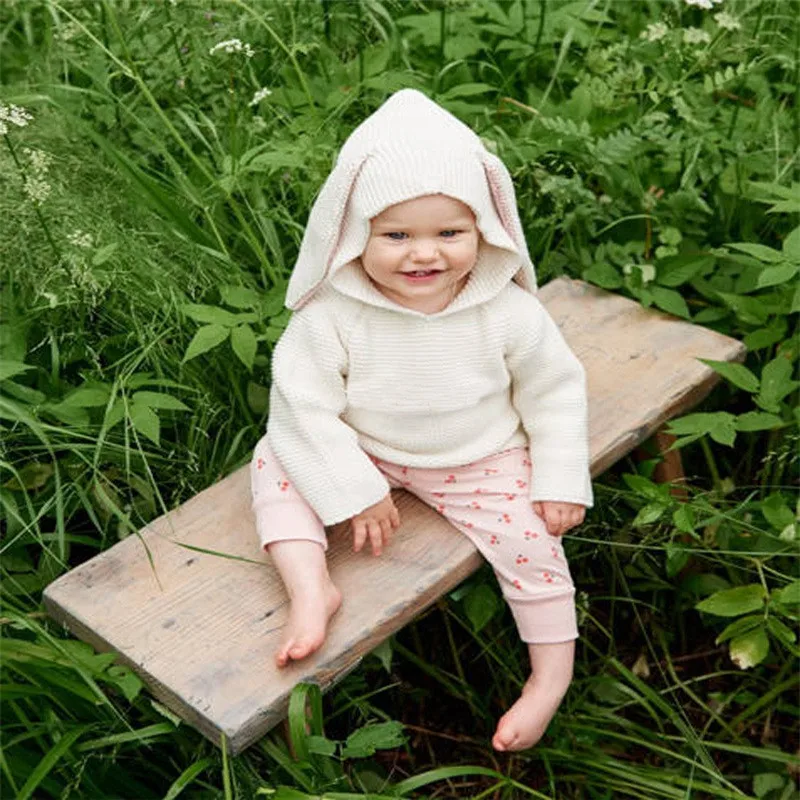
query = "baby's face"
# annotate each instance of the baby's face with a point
(420, 252)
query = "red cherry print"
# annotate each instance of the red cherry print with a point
(505, 518)
(554, 553)
(450, 479)
(490, 471)
(494, 540)
(526, 462)
(517, 585)
(404, 470)
(476, 505)
(531, 535)
(511, 497)
(548, 577)
(521, 484)
(521, 559)
(440, 509)
(438, 494)
(260, 463)
(480, 491)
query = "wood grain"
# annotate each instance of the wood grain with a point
(202, 624)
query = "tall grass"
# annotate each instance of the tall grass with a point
(150, 214)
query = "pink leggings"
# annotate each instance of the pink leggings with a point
(487, 501)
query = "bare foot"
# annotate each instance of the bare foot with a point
(307, 625)
(526, 721)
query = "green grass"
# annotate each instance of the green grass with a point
(664, 170)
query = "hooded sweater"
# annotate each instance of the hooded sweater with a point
(356, 375)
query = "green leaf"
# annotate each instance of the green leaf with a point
(757, 421)
(240, 297)
(670, 301)
(383, 652)
(87, 397)
(751, 310)
(8, 369)
(210, 314)
(719, 425)
(791, 245)
(467, 90)
(321, 745)
(604, 275)
(777, 276)
(646, 488)
(776, 383)
(683, 518)
(365, 741)
(257, 397)
(766, 337)
(244, 344)
(159, 400)
(146, 421)
(204, 340)
(789, 595)
(759, 251)
(737, 374)
(676, 270)
(767, 782)
(783, 633)
(749, 649)
(733, 602)
(739, 627)
(776, 511)
(649, 514)
(103, 254)
(480, 605)
(677, 558)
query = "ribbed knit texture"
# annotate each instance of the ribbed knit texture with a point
(356, 374)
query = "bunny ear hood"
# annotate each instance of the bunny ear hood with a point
(408, 148)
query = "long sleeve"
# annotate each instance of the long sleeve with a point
(549, 393)
(319, 451)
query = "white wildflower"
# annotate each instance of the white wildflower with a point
(36, 189)
(80, 239)
(655, 32)
(233, 46)
(260, 95)
(727, 21)
(705, 4)
(16, 115)
(39, 161)
(696, 36)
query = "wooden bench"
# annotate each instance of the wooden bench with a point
(202, 629)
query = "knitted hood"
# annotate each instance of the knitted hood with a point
(408, 148)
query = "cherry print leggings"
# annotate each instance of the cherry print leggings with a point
(487, 501)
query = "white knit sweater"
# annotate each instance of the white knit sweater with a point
(356, 374)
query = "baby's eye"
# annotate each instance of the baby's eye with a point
(396, 236)
(449, 234)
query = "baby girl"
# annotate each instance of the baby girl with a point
(419, 357)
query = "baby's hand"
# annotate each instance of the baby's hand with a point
(376, 522)
(559, 517)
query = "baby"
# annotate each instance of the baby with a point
(419, 357)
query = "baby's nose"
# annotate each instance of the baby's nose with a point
(425, 251)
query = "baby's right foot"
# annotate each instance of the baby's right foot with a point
(307, 625)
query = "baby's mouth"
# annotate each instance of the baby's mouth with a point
(422, 273)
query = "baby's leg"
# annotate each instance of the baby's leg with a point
(488, 501)
(294, 537)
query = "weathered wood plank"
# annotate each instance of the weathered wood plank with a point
(202, 628)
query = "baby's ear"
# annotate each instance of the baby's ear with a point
(322, 234)
(505, 203)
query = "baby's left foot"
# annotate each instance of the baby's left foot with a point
(526, 721)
